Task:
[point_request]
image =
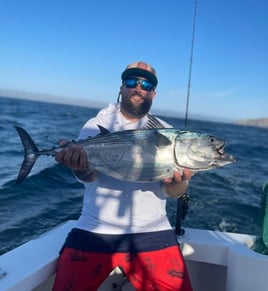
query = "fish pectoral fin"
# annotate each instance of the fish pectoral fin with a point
(103, 130)
(162, 140)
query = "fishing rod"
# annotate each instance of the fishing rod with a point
(182, 202)
(190, 66)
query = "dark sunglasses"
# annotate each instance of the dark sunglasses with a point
(133, 83)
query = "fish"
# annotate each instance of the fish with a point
(141, 155)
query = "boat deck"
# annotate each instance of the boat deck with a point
(216, 261)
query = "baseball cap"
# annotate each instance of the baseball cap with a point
(140, 69)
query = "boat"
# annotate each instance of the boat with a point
(217, 261)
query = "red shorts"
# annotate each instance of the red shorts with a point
(158, 270)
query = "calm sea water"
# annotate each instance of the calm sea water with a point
(226, 199)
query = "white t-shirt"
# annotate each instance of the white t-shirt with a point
(112, 206)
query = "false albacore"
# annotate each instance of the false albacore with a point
(143, 155)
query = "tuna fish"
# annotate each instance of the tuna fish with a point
(143, 155)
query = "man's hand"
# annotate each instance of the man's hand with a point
(73, 156)
(177, 186)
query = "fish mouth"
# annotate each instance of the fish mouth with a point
(224, 156)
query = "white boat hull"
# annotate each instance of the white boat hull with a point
(216, 261)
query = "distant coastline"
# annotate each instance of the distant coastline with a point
(19, 94)
(259, 122)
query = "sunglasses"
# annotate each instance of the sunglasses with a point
(133, 83)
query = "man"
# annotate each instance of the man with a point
(123, 223)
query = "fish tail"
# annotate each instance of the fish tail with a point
(31, 154)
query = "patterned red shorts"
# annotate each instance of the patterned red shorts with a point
(158, 270)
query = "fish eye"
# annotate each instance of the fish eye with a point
(211, 139)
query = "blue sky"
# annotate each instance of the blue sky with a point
(77, 49)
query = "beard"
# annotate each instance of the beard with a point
(136, 110)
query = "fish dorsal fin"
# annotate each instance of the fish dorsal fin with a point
(103, 130)
(161, 140)
(153, 122)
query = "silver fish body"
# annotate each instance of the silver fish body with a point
(143, 155)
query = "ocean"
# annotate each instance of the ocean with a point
(225, 199)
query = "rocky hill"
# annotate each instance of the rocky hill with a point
(261, 122)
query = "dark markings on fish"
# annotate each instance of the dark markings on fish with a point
(161, 140)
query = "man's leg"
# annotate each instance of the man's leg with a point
(160, 270)
(77, 270)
